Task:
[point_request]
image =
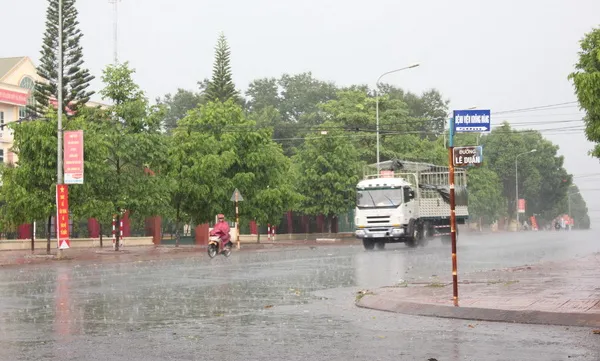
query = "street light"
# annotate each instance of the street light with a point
(377, 102)
(59, 86)
(517, 183)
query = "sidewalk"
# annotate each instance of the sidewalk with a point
(142, 253)
(554, 293)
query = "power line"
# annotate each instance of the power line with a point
(537, 108)
(518, 115)
(547, 122)
(587, 175)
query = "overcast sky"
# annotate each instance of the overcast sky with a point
(496, 54)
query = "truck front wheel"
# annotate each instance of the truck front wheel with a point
(380, 245)
(368, 244)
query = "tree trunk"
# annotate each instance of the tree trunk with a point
(48, 234)
(100, 229)
(32, 236)
(257, 232)
(177, 235)
(329, 223)
(117, 231)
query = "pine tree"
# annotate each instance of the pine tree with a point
(221, 87)
(76, 79)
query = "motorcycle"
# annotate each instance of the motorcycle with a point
(215, 246)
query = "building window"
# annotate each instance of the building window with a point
(2, 155)
(27, 83)
(22, 112)
(1, 121)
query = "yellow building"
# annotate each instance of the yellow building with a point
(17, 80)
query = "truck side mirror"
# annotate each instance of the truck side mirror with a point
(411, 194)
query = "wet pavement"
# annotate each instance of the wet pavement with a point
(292, 304)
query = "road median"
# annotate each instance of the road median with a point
(563, 293)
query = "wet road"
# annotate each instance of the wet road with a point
(274, 305)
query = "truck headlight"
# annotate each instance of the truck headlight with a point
(360, 233)
(397, 231)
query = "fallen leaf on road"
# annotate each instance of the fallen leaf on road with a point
(471, 326)
(269, 306)
(596, 332)
(432, 359)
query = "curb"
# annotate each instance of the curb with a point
(480, 314)
(154, 253)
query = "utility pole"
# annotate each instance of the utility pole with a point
(59, 152)
(517, 183)
(115, 30)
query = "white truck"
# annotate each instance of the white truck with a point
(408, 202)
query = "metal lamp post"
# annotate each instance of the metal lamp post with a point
(59, 86)
(377, 102)
(517, 183)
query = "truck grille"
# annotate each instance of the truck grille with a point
(378, 219)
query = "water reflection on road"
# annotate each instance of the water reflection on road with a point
(259, 298)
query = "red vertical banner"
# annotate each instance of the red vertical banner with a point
(521, 205)
(73, 153)
(62, 213)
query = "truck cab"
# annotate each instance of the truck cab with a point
(384, 209)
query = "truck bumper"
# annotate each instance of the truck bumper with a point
(391, 232)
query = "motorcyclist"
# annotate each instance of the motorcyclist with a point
(221, 229)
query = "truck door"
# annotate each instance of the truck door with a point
(409, 203)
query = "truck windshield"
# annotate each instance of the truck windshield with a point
(378, 198)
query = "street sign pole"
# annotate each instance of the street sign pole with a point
(237, 197)
(452, 211)
(463, 121)
(237, 220)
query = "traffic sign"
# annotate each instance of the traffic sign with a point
(236, 196)
(468, 156)
(472, 120)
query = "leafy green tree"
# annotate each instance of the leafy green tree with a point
(221, 87)
(414, 148)
(426, 114)
(134, 147)
(196, 171)
(76, 78)
(327, 169)
(486, 202)
(290, 105)
(263, 93)
(89, 199)
(354, 111)
(31, 184)
(17, 206)
(301, 96)
(586, 79)
(542, 179)
(177, 106)
(215, 150)
(576, 207)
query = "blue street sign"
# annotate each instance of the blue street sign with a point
(472, 120)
